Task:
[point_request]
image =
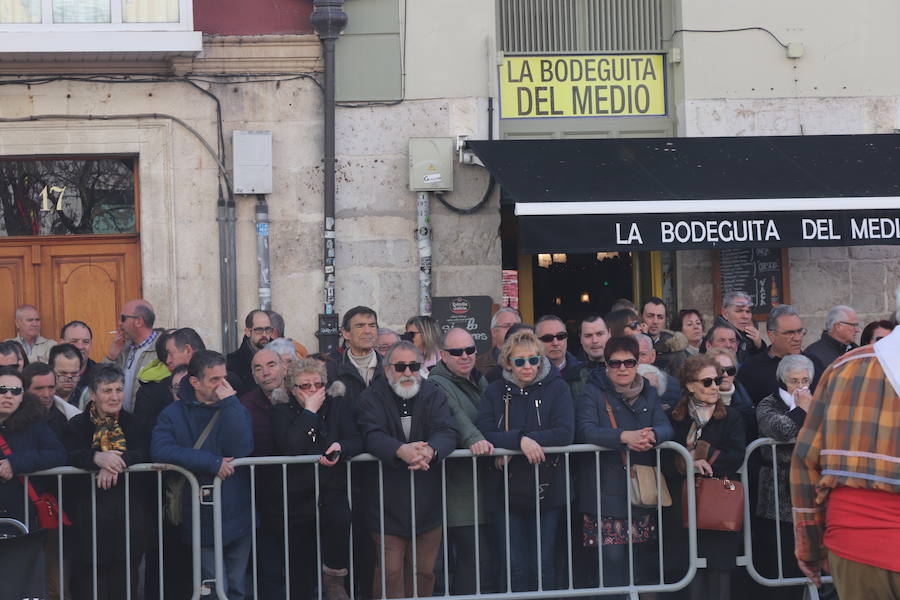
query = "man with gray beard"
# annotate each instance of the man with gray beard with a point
(407, 424)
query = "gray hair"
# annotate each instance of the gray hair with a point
(782, 310)
(282, 346)
(661, 380)
(303, 366)
(793, 362)
(835, 315)
(21, 310)
(505, 309)
(402, 345)
(386, 331)
(643, 338)
(731, 298)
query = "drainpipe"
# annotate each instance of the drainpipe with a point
(423, 241)
(262, 252)
(328, 19)
(224, 280)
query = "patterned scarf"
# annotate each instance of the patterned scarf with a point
(108, 434)
(700, 414)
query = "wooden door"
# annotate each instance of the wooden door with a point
(80, 278)
(17, 285)
(90, 282)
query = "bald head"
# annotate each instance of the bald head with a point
(136, 320)
(459, 341)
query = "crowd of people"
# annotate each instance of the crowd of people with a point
(410, 399)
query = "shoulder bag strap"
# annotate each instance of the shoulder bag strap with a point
(32, 495)
(205, 433)
(612, 421)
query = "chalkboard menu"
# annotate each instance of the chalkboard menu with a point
(472, 313)
(762, 273)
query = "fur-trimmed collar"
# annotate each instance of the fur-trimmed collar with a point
(543, 372)
(29, 412)
(281, 396)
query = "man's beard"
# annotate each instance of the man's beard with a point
(406, 391)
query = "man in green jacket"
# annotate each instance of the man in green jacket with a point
(456, 375)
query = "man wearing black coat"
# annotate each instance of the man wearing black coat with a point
(258, 332)
(407, 424)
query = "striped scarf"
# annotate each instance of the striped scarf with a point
(108, 434)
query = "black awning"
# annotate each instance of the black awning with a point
(691, 193)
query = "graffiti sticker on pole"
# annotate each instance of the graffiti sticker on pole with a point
(582, 85)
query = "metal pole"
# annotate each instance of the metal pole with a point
(328, 19)
(262, 253)
(423, 241)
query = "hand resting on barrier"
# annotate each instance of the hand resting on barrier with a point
(481, 448)
(418, 455)
(225, 469)
(532, 450)
(334, 447)
(639, 440)
(813, 570)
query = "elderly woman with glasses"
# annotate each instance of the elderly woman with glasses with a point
(619, 409)
(106, 439)
(713, 433)
(527, 409)
(780, 417)
(316, 420)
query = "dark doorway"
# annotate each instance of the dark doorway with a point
(574, 285)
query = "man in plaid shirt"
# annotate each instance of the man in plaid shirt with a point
(845, 475)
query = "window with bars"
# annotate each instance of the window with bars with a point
(532, 26)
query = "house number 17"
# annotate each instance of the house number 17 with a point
(45, 197)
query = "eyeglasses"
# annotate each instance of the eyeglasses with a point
(504, 325)
(804, 381)
(15, 391)
(531, 360)
(262, 330)
(853, 325)
(412, 334)
(793, 332)
(633, 325)
(124, 317)
(628, 363)
(67, 376)
(400, 367)
(730, 371)
(382, 348)
(469, 350)
(318, 385)
(549, 337)
(708, 381)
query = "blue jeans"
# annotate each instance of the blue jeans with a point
(523, 550)
(235, 557)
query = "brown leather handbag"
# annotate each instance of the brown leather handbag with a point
(720, 504)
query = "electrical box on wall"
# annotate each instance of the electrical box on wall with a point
(431, 164)
(252, 162)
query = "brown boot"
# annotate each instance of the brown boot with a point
(333, 582)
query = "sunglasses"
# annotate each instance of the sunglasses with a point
(469, 350)
(628, 363)
(531, 360)
(123, 318)
(708, 381)
(633, 325)
(15, 391)
(549, 337)
(318, 385)
(412, 366)
(730, 371)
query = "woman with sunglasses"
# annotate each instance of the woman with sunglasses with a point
(780, 416)
(26, 445)
(528, 409)
(316, 420)
(619, 409)
(732, 393)
(714, 435)
(425, 334)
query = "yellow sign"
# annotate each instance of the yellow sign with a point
(582, 85)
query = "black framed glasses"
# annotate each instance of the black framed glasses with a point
(793, 332)
(633, 325)
(400, 367)
(848, 324)
(549, 337)
(123, 317)
(708, 381)
(317, 385)
(531, 360)
(469, 351)
(14, 390)
(262, 330)
(628, 363)
(730, 371)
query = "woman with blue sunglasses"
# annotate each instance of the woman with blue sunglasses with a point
(528, 409)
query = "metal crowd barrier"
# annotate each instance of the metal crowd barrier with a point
(192, 487)
(747, 559)
(632, 589)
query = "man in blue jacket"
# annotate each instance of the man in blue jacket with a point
(204, 395)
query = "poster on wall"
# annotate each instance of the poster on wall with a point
(510, 289)
(762, 273)
(472, 313)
